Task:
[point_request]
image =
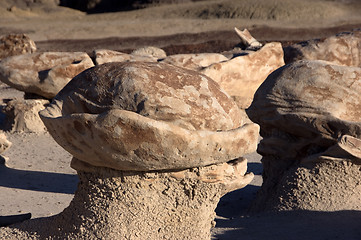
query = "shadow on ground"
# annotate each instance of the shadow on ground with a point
(292, 225)
(38, 181)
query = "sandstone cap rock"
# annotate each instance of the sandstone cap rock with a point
(44, 74)
(195, 61)
(312, 100)
(148, 116)
(341, 49)
(106, 56)
(241, 76)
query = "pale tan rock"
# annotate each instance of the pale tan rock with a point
(195, 61)
(150, 51)
(241, 76)
(4, 143)
(138, 205)
(153, 116)
(158, 118)
(44, 74)
(16, 44)
(23, 115)
(342, 49)
(309, 113)
(247, 39)
(105, 56)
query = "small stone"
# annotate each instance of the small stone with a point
(16, 44)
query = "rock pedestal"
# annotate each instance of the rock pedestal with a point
(155, 147)
(309, 114)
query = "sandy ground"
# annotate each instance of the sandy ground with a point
(37, 177)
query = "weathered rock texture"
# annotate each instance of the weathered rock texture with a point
(113, 204)
(151, 51)
(106, 56)
(241, 76)
(309, 113)
(44, 74)
(144, 116)
(195, 61)
(23, 115)
(152, 116)
(16, 44)
(342, 49)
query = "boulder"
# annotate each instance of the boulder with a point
(150, 51)
(44, 74)
(241, 76)
(309, 114)
(143, 110)
(342, 49)
(23, 115)
(105, 56)
(16, 44)
(195, 61)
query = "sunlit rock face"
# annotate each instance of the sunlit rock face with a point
(242, 75)
(341, 49)
(44, 74)
(145, 136)
(309, 113)
(148, 116)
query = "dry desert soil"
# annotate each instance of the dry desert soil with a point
(36, 176)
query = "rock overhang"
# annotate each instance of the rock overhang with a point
(110, 120)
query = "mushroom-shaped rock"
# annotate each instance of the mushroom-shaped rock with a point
(16, 44)
(341, 49)
(309, 113)
(44, 74)
(195, 61)
(155, 147)
(23, 115)
(106, 56)
(152, 116)
(241, 76)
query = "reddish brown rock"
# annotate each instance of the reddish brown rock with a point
(16, 44)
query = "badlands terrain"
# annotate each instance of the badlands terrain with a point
(35, 175)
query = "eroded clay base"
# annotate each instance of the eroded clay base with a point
(112, 204)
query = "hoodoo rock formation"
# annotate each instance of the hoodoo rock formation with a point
(155, 147)
(309, 113)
